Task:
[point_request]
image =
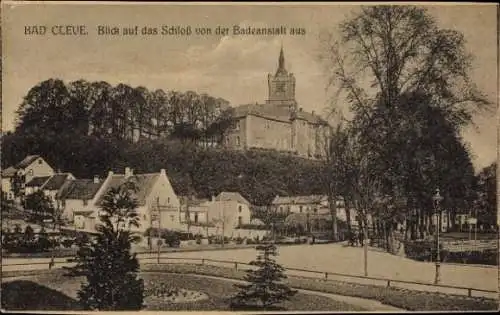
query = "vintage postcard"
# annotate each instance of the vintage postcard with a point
(249, 157)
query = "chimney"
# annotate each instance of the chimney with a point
(96, 179)
(128, 172)
(163, 172)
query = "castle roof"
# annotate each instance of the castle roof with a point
(278, 113)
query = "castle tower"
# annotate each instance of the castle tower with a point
(282, 86)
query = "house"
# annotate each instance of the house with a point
(30, 167)
(158, 205)
(54, 184)
(7, 177)
(78, 198)
(35, 184)
(228, 210)
(195, 210)
(317, 204)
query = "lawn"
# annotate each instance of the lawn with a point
(402, 298)
(53, 291)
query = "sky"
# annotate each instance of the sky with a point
(233, 67)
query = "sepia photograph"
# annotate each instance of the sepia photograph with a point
(249, 157)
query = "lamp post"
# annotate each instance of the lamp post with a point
(437, 198)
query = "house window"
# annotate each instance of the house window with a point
(281, 209)
(85, 202)
(196, 218)
(40, 161)
(237, 127)
(168, 200)
(300, 209)
(237, 141)
(144, 217)
(30, 172)
(240, 221)
(239, 208)
(172, 217)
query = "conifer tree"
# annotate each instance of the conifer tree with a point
(106, 262)
(265, 286)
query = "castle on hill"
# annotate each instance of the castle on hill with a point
(279, 124)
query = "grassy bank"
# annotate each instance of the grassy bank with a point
(53, 291)
(402, 298)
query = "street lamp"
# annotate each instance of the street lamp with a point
(437, 198)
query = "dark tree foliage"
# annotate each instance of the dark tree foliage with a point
(265, 286)
(106, 262)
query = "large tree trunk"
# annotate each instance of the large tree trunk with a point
(333, 212)
(348, 216)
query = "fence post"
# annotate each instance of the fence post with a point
(326, 275)
(236, 265)
(202, 261)
(469, 293)
(388, 283)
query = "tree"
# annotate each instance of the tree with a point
(49, 110)
(486, 202)
(420, 88)
(41, 206)
(109, 267)
(265, 287)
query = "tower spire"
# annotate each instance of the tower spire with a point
(281, 61)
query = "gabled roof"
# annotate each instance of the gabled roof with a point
(79, 189)
(56, 181)
(231, 196)
(27, 161)
(311, 199)
(143, 182)
(9, 172)
(37, 181)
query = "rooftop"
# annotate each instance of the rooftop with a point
(278, 113)
(37, 181)
(143, 182)
(27, 161)
(79, 189)
(311, 199)
(56, 181)
(231, 196)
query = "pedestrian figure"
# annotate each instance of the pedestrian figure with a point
(51, 263)
(361, 237)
